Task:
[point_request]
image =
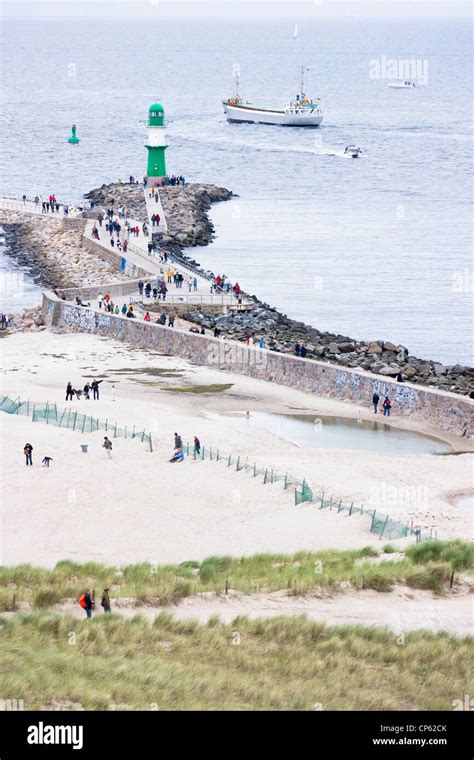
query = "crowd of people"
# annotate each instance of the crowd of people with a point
(118, 227)
(51, 204)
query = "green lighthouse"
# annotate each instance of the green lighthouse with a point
(156, 144)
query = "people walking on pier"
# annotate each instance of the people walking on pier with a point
(69, 392)
(141, 285)
(178, 442)
(100, 219)
(86, 390)
(195, 284)
(28, 450)
(147, 290)
(197, 446)
(171, 320)
(387, 405)
(375, 401)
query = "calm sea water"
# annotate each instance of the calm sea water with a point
(379, 247)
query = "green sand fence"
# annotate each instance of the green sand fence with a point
(69, 419)
(382, 525)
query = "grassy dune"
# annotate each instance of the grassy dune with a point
(426, 566)
(53, 661)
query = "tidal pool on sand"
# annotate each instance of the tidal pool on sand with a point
(324, 432)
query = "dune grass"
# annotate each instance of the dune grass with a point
(425, 566)
(275, 664)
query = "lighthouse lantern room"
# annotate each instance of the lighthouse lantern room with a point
(156, 144)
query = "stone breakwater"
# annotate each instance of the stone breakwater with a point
(378, 356)
(185, 208)
(444, 411)
(117, 195)
(50, 249)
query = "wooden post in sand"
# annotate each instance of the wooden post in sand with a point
(385, 523)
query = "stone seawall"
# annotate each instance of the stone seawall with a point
(445, 411)
(131, 270)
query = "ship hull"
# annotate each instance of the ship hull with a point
(246, 114)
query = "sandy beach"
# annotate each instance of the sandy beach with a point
(138, 507)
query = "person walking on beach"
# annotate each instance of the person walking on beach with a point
(105, 601)
(375, 401)
(107, 445)
(27, 450)
(178, 443)
(86, 390)
(387, 405)
(95, 389)
(197, 446)
(69, 391)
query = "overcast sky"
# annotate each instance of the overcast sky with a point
(238, 9)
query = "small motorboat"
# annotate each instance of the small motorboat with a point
(353, 151)
(407, 85)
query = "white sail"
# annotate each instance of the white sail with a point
(296, 31)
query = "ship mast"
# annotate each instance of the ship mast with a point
(302, 79)
(237, 82)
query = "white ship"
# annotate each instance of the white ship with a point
(300, 112)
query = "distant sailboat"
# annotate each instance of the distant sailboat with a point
(296, 31)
